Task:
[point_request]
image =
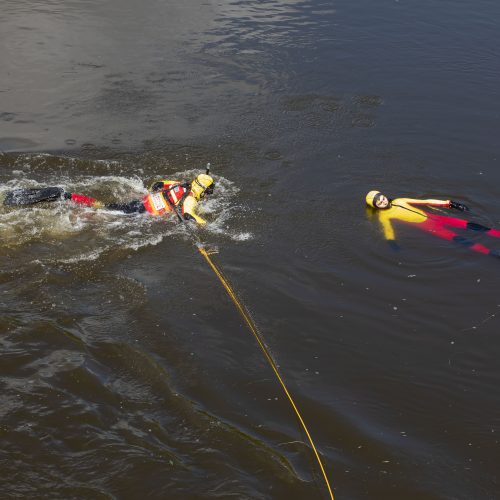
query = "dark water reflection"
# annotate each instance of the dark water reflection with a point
(126, 371)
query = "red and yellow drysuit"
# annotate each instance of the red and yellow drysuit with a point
(408, 211)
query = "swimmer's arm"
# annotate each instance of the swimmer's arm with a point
(387, 227)
(156, 186)
(439, 203)
(159, 185)
(430, 202)
(389, 234)
(189, 210)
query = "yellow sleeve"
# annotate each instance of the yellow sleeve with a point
(189, 208)
(431, 202)
(386, 223)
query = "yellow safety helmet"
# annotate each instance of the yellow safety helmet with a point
(202, 184)
(372, 197)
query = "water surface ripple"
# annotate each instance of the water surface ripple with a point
(126, 372)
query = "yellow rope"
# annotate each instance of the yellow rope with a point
(244, 313)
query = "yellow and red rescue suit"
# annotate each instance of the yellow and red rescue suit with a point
(405, 210)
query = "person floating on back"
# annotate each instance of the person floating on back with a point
(164, 196)
(408, 211)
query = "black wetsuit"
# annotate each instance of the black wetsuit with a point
(132, 207)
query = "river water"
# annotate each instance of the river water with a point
(126, 371)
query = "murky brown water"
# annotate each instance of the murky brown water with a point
(125, 370)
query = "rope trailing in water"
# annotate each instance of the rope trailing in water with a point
(251, 325)
(248, 320)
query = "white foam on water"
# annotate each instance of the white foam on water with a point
(73, 233)
(121, 188)
(242, 236)
(88, 256)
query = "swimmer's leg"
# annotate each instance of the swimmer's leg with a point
(437, 229)
(473, 226)
(465, 224)
(133, 207)
(21, 197)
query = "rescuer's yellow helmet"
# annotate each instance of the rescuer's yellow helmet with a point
(202, 184)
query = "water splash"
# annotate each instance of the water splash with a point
(63, 232)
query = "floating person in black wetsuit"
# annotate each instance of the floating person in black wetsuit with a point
(165, 196)
(406, 210)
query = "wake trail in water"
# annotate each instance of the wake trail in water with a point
(64, 232)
